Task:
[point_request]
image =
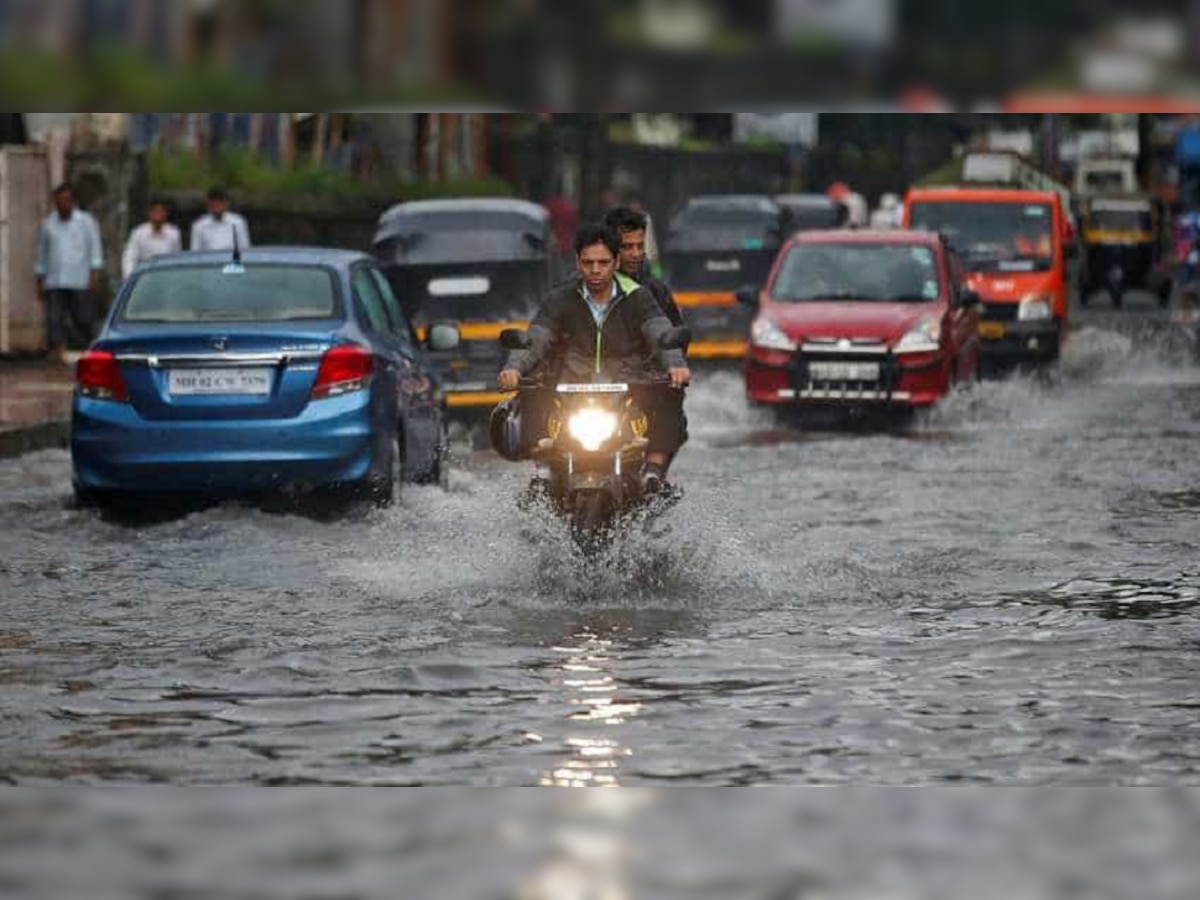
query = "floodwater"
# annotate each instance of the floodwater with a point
(1007, 594)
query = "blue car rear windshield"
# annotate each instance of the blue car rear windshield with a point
(254, 293)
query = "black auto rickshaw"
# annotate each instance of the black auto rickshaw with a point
(811, 212)
(1124, 248)
(482, 263)
(715, 247)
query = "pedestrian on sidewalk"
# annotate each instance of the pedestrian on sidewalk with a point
(69, 269)
(216, 231)
(150, 239)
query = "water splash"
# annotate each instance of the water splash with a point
(1092, 358)
(690, 553)
(716, 404)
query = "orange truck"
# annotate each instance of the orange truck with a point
(1013, 246)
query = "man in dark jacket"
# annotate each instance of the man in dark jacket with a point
(605, 327)
(629, 226)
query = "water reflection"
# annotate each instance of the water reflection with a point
(592, 693)
(1121, 598)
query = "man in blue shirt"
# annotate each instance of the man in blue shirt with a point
(69, 268)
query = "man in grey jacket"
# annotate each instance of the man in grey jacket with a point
(603, 326)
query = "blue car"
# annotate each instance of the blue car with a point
(274, 369)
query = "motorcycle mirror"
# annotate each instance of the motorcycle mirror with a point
(676, 339)
(514, 339)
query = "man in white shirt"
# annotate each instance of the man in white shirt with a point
(151, 239)
(69, 269)
(216, 230)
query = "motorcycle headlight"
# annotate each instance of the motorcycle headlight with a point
(592, 427)
(925, 338)
(766, 334)
(1035, 308)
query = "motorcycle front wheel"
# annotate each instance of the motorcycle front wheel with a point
(591, 521)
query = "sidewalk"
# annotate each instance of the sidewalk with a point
(35, 406)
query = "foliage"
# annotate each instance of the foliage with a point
(117, 77)
(255, 180)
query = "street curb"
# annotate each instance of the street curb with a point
(30, 438)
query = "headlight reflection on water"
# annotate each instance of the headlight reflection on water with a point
(596, 753)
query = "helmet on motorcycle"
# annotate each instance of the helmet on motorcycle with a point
(504, 429)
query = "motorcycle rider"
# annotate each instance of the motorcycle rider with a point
(630, 226)
(606, 327)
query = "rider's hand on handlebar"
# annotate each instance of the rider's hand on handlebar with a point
(509, 380)
(681, 377)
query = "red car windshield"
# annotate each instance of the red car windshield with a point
(877, 273)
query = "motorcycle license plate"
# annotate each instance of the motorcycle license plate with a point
(992, 331)
(844, 371)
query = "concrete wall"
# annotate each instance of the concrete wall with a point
(24, 203)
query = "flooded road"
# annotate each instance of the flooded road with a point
(1007, 594)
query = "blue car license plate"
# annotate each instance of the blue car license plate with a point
(219, 382)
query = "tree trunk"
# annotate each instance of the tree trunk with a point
(287, 140)
(257, 126)
(320, 129)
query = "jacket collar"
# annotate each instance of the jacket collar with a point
(612, 298)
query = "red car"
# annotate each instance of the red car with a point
(862, 319)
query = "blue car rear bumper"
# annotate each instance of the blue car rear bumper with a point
(115, 449)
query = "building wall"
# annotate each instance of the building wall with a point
(24, 203)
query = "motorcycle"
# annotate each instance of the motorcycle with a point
(594, 448)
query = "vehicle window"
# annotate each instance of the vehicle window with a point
(810, 218)
(725, 217)
(1004, 237)
(472, 292)
(880, 273)
(396, 313)
(371, 300)
(253, 293)
(1100, 182)
(1122, 220)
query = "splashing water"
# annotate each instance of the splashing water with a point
(1093, 357)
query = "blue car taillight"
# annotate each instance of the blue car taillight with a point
(344, 370)
(98, 375)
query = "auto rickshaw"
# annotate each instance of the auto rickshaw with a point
(1124, 248)
(484, 264)
(811, 212)
(715, 247)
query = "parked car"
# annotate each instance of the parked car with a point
(274, 369)
(858, 319)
